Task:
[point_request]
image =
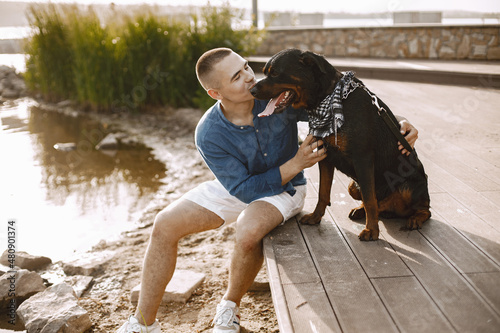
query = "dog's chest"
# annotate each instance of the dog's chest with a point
(337, 144)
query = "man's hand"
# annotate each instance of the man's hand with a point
(307, 155)
(309, 152)
(410, 133)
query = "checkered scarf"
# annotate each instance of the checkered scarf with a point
(328, 117)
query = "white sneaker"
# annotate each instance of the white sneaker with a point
(132, 326)
(227, 318)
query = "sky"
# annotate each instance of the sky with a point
(354, 6)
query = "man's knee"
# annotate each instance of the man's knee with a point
(164, 225)
(256, 222)
(248, 239)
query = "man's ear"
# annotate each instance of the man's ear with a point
(214, 94)
(309, 58)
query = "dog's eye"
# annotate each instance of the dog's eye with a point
(273, 73)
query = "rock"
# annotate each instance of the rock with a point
(10, 93)
(110, 142)
(26, 260)
(90, 263)
(65, 147)
(4, 269)
(11, 84)
(18, 85)
(4, 70)
(179, 289)
(65, 103)
(23, 282)
(54, 310)
(80, 283)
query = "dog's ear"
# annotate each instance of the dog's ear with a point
(309, 58)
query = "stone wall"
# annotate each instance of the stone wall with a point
(479, 42)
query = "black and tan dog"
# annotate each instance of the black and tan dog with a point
(360, 144)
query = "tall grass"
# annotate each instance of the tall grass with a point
(130, 62)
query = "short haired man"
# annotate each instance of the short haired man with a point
(259, 184)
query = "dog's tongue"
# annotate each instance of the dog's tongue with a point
(271, 106)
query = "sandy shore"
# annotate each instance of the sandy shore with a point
(170, 134)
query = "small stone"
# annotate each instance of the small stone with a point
(65, 103)
(25, 284)
(65, 147)
(54, 310)
(179, 289)
(464, 48)
(80, 283)
(90, 263)
(26, 260)
(110, 142)
(493, 53)
(10, 93)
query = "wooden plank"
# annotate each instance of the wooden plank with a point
(456, 166)
(378, 259)
(410, 306)
(487, 285)
(354, 299)
(306, 303)
(493, 196)
(467, 223)
(300, 289)
(278, 294)
(456, 157)
(489, 153)
(454, 296)
(292, 255)
(458, 250)
(486, 209)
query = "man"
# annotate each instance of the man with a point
(259, 184)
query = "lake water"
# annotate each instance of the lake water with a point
(66, 202)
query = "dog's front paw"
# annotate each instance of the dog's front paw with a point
(414, 223)
(417, 220)
(368, 235)
(357, 213)
(310, 219)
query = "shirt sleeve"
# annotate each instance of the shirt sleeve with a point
(235, 177)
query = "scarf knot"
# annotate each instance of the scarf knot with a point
(328, 117)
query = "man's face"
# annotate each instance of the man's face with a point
(235, 78)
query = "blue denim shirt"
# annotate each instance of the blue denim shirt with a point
(246, 159)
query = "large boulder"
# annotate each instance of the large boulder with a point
(11, 84)
(20, 284)
(26, 260)
(90, 263)
(55, 310)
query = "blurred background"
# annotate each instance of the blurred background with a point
(136, 56)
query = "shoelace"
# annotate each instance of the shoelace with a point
(135, 328)
(224, 317)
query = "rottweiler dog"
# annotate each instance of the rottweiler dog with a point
(360, 144)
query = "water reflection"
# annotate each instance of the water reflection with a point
(77, 197)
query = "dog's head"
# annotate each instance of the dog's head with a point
(294, 77)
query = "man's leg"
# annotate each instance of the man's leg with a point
(179, 219)
(256, 221)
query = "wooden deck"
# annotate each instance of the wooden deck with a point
(442, 278)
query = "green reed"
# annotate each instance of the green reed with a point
(131, 62)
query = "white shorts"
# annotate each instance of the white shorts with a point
(214, 197)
